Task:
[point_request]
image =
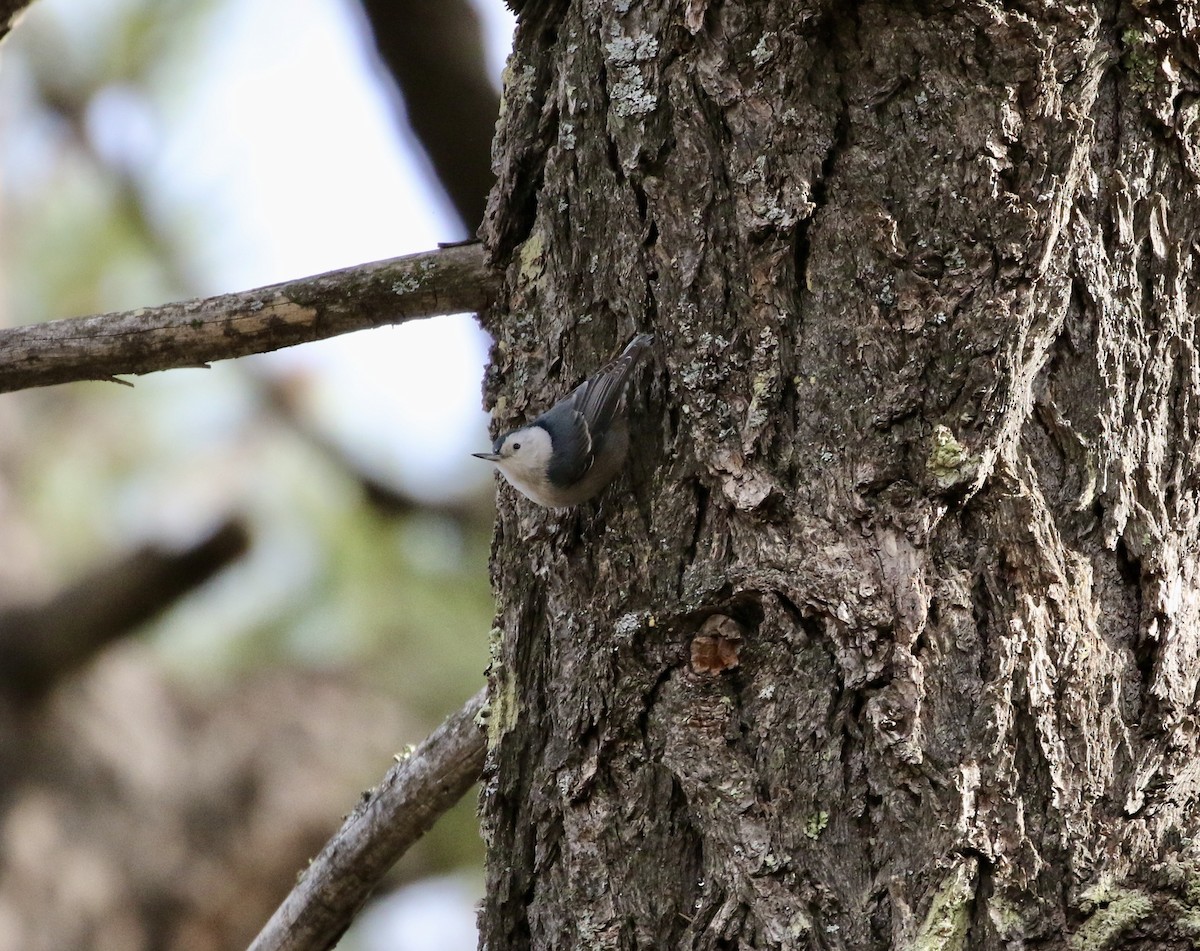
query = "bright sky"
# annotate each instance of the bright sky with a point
(283, 156)
(312, 174)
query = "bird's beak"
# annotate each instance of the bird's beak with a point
(486, 456)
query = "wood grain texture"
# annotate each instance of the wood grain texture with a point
(197, 332)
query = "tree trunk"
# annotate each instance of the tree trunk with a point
(889, 635)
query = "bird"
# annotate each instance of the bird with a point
(577, 447)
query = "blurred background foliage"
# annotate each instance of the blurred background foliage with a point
(153, 150)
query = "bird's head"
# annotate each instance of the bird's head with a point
(522, 455)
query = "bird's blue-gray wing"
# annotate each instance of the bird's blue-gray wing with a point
(598, 397)
(578, 424)
(571, 439)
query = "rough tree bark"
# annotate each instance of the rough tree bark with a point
(889, 637)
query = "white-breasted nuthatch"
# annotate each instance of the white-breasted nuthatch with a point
(575, 448)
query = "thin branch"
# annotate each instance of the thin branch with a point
(435, 53)
(390, 818)
(41, 644)
(193, 333)
(385, 498)
(10, 11)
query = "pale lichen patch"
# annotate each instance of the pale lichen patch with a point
(503, 702)
(629, 93)
(950, 463)
(949, 916)
(1113, 911)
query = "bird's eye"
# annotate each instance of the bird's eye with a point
(516, 446)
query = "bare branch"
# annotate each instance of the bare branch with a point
(389, 500)
(193, 333)
(435, 53)
(10, 11)
(40, 644)
(389, 819)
